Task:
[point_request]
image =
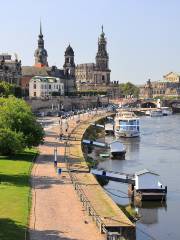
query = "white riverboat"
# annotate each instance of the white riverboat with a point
(156, 113)
(126, 124)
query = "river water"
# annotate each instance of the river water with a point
(157, 149)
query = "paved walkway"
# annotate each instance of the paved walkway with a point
(57, 213)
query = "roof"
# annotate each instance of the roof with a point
(144, 171)
(69, 51)
(86, 65)
(45, 79)
(176, 73)
(34, 71)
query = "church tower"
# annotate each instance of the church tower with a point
(102, 58)
(69, 65)
(41, 53)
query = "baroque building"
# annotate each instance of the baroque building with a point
(95, 75)
(45, 87)
(169, 86)
(41, 68)
(10, 70)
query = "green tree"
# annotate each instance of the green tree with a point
(5, 89)
(129, 89)
(11, 142)
(16, 115)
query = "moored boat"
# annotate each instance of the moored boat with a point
(126, 124)
(109, 128)
(117, 149)
(147, 187)
(156, 113)
(166, 111)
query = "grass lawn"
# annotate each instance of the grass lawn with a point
(14, 195)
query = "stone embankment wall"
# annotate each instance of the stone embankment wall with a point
(67, 103)
(104, 208)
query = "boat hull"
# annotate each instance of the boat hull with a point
(127, 134)
(156, 114)
(118, 155)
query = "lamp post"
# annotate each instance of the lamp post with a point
(55, 157)
(60, 128)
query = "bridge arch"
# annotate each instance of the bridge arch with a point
(148, 104)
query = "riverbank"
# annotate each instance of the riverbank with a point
(15, 197)
(109, 212)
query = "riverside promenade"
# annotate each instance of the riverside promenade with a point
(56, 211)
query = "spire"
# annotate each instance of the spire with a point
(40, 34)
(102, 33)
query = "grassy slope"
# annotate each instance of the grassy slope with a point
(14, 195)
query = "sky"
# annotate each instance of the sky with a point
(143, 36)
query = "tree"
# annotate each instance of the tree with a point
(7, 89)
(16, 115)
(129, 89)
(10, 142)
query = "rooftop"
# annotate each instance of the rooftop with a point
(144, 171)
(45, 79)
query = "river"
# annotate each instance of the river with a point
(157, 149)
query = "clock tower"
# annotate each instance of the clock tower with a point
(41, 53)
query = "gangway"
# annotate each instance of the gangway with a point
(114, 176)
(97, 125)
(97, 144)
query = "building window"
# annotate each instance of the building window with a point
(103, 78)
(34, 86)
(34, 94)
(49, 86)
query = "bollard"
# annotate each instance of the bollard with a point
(59, 171)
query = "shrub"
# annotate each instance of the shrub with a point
(11, 142)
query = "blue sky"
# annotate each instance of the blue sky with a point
(143, 35)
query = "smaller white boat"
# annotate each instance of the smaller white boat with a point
(147, 113)
(166, 111)
(156, 113)
(117, 149)
(109, 128)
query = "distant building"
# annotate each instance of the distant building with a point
(10, 70)
(45, 87)
(29, 72)
(41, 68)
(95, 75)
(169, 86)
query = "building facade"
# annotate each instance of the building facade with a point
(97, 74)
(10, 70)
(45, 87)
(169, 86)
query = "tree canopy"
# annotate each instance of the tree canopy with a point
(129, 89)
(7, 89)
(16, 116)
